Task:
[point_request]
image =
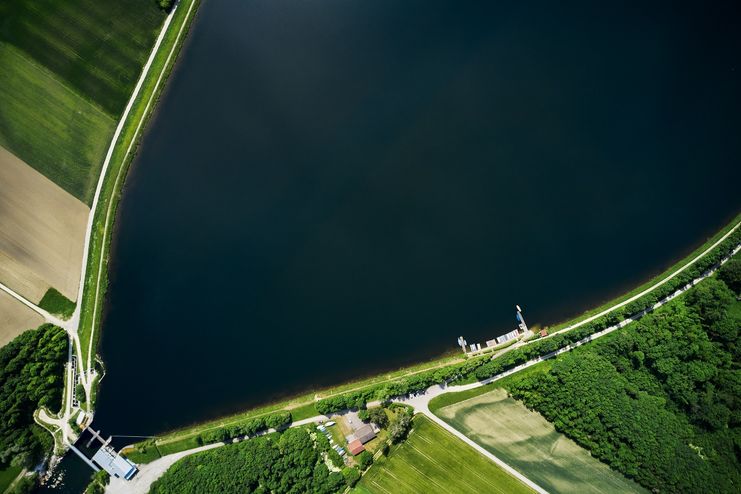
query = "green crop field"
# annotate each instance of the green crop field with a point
(67, 69)
(529, 443)
(433, 461)
(96, 46)
(49, 126)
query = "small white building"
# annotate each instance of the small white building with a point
(113, 463)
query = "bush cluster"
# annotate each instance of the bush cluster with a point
(251, 427)
(483, 367)
(287, 462)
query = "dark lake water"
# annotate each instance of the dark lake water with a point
(339, 187)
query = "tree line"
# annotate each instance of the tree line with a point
(484, 367)
(287, 462)
(31, 376)
(251, 427)
(659, 400)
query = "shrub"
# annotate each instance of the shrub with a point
(335, 458)
(166, 5)
(378, 416)
(364, 459)
(400, 426)
(730, 273)
(351, 475)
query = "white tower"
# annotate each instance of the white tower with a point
(462, 343)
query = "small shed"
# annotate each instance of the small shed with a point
(355, 447)
(543, 333)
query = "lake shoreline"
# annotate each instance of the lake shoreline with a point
(310, 397)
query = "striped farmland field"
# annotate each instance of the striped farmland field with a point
(433, 461)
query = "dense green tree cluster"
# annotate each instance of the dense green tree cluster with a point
(288, 462)
(377, 415)
(98, 483)
(323, 445)
(401, 425)
(483, 367)
(31, 376)
(352, 475)
(249, 428)
(658, 401)
(730, 273)
(365, 460)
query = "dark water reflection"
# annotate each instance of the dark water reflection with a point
(334, 188)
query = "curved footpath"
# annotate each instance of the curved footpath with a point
(149, 472)
(72, 326)
(75, 319)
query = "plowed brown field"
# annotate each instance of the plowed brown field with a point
(42, 230)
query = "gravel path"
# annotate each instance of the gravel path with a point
(150, 472)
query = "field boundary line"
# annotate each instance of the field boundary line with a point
(462, 465)
(481, 450)
(52, 75)
(96, 198)
(20, 298)
(126, 155)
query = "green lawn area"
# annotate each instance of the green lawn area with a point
(56, 303)
(49, 126)
(67, 69)
(304, 412)
(96, 47)
(433, 461)
(7, 476)
(447, 399)
(529, 443)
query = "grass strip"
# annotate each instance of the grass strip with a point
(56, 303)
(96, 279)
(651, 281)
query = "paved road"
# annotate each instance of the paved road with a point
(151, 472)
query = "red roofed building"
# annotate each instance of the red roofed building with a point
(355, 447)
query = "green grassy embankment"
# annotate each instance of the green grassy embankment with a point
(652, 281)
(56, 303)
(432, 460)
(96, 278)
(307, 402)
(301, 407)
(448, 399)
